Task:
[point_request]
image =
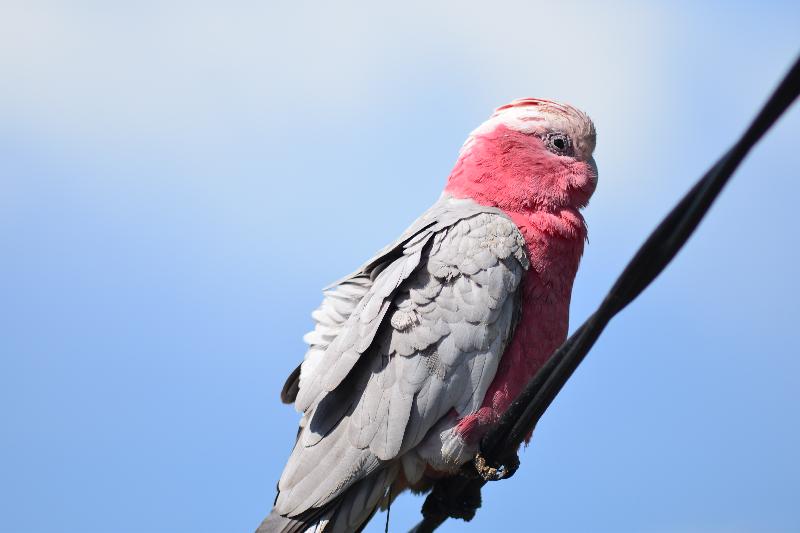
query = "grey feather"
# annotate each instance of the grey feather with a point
(414, 334)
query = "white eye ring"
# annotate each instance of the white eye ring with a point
(557, 142)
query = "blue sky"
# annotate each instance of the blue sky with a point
(179, 180)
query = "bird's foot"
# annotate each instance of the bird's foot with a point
(504, 470)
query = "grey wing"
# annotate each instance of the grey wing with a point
(445, 309)
(338, 306)
(355, 306)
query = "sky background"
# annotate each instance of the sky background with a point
(178, 180)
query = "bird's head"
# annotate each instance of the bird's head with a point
(531, 154)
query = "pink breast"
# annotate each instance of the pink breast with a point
(546, 288)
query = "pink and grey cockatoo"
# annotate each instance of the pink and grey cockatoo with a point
(417, 354)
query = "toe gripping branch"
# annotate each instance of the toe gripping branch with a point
(504, 470)
(459, 496)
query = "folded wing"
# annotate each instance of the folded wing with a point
(413, 335)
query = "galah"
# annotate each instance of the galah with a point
(417, 354)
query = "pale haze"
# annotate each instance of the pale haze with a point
(178, 180)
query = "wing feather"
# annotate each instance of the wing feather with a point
(413, 335)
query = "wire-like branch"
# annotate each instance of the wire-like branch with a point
(503, 441)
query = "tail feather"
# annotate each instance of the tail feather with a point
(276, 523)
(348, 513)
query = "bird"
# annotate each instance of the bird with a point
(418, 353)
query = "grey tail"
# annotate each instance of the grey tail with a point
(275, 523)
(348, 513)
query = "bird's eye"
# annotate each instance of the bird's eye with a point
(558, 143)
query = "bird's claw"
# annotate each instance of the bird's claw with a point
(504, 470)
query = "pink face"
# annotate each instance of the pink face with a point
(531, 155)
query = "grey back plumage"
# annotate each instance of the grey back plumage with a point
(416, 333)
